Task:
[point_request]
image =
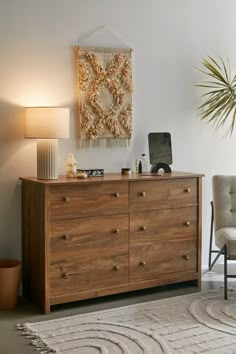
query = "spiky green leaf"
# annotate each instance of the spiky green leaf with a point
(219, 106)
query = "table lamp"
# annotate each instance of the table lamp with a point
(47, 125)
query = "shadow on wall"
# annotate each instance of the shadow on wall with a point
(11, 157)
(10, 231)
(12, 130)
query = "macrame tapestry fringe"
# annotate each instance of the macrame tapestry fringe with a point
(36, 341)
(104, 143)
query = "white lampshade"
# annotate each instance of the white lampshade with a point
(47, 124)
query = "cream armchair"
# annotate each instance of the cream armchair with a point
(224, 219)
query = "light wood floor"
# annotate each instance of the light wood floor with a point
(11, 341)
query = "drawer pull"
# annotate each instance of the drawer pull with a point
(117, 194)
(65, 237)
(142, 194)
(143, 228)
(65, 199)
(116, 268)
(116, 231)
(65, 275)
(186, 257)
(187, 190)
(187, 223)
(143, 264)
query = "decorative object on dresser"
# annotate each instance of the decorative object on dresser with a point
(160, 152)
(92, 172)
(105, 235)
(104, 83)
(126, 171)
(82, 175)
(47, 124)
(71, 164)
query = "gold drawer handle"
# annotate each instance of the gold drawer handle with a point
(186, 257)
(65, 199)
(116, 231)
(187, 190)
(65, 275)
(187, 223)
(116, 268)
(143, 228)
(142, 194)
(143, 264)
(65, 237)
(117, 195)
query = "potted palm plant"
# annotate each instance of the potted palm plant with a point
(219, 106)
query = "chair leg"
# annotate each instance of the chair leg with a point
(225, 273)
(219, 253)
(211, 235)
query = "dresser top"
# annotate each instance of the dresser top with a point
(112, 177)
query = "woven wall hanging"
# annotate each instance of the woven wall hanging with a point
(104, 83)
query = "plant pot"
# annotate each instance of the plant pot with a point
(10, 274)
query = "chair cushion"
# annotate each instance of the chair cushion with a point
(224, 199)
(227, 236)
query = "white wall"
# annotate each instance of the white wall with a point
(169, 39)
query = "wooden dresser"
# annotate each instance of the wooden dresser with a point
(106, 235)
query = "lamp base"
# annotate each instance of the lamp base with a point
(47, 158)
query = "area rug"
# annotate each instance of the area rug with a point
(194, 323)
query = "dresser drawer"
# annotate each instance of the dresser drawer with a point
(163, 193)
(162, 259)
(75, 200)
(92, 225)
(161, 225)
(88, 237)
(89, 273)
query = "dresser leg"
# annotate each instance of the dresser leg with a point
(47, 308)
(198, 283)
